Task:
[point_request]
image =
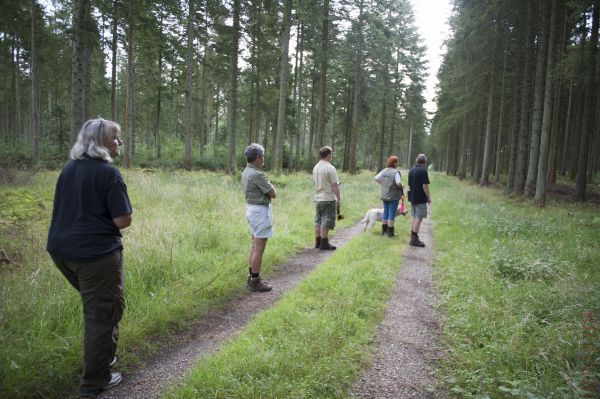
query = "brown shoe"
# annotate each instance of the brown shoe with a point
(255, 284)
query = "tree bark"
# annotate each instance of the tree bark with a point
(189, 85)
(323, 74)
(283, 78)
(35, 112)
(130, 97)
(538, 104)
(589, 106)
(113, 74)
(542, 169)
(521, 170)
(231, 166)
(78, 67)
(352, 165)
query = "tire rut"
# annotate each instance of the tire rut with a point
(407, 340)
(153, 375)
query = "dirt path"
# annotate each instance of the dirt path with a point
(407, 339)
(150, 378)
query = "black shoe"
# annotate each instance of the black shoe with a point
(415, 242)
(317, 242)
(115, 379)
(390, 232)
(325, 246)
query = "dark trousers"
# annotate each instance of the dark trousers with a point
(101, 286)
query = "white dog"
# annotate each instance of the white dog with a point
(374, 215)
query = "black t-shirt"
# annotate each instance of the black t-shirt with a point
(416, 178)
(89, 194)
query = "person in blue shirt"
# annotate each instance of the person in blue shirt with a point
(91, 206)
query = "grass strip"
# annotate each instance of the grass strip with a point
(312, 342)
(521, 292)
(185, 253)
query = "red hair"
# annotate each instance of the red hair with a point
(392, 161)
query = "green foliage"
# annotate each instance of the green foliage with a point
(517, 284)
(185, 253)
(312, 343)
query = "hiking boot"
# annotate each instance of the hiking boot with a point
(115, 379)
(325, 245)
(390, 232)
(317, 242)
(414, 240)
(384, 229)
(255, 284)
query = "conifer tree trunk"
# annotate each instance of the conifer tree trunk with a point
(487, 146)
(513, 141)
(521, 169)
(35, 114)
(352, 165)
(300, 82)
(233, 87)
(538, 104)
(78, 67)
(17, 93)
(283, 77)
(323, 74)
(189, 85)
(589, 106)
(498, 167)
(542, 169)
(381, 157)
(130, 96)
(113, 74)
(157, 137)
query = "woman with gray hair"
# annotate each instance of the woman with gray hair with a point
(91, 206)
(258, 192)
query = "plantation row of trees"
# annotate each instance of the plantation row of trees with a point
(518, 94)
(195, 81)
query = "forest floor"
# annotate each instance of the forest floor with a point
(406, 342)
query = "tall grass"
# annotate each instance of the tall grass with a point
(521, 293)
(313, 342)
(185, 253)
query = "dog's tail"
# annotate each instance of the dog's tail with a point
(366, 222)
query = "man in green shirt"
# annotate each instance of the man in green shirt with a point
(258, 192)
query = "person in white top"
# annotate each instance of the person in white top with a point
(327, 198)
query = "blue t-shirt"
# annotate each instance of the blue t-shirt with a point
(416, 178)
(89, 194)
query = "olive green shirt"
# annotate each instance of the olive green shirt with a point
(256, 185)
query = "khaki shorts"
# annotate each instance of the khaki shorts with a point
(260, 220)
(419, 211)
(325, 214)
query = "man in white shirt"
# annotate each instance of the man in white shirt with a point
(327, 198)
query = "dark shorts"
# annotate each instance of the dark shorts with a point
(325, 214)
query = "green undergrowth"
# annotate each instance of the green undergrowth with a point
(312, 343)
(520, 289)
(185, 253)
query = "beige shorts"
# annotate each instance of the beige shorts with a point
(260, 220)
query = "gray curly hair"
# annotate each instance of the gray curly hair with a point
(91, 139)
